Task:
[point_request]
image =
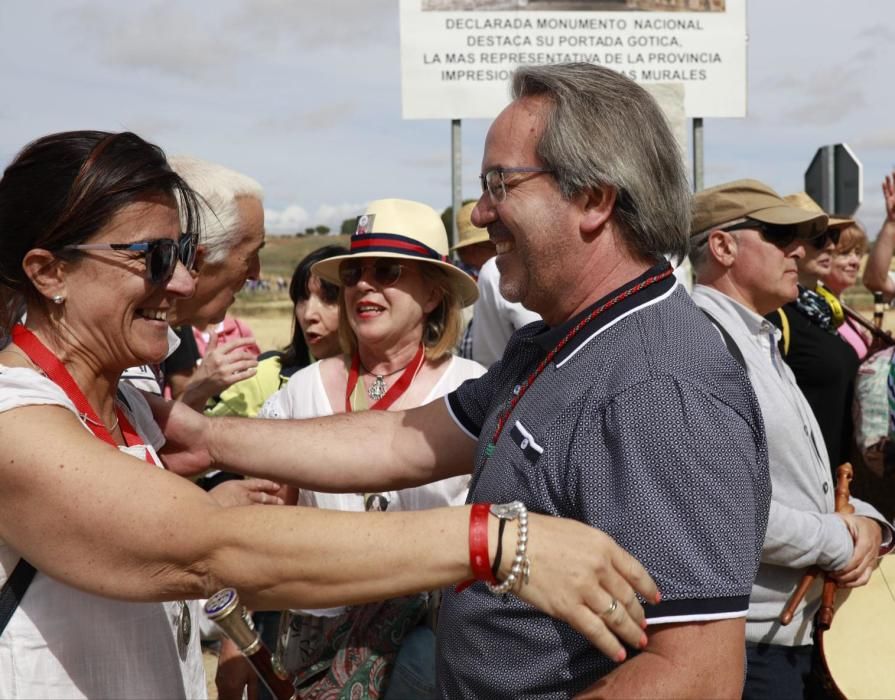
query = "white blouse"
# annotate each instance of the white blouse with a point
(65, 643)
(304, 396)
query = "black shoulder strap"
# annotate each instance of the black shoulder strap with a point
(14, 590)
(732, 347)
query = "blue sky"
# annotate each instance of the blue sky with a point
(304, 95)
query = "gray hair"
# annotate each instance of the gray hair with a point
(699, 243)
(699, 248)
(219, 188)
(604, 129)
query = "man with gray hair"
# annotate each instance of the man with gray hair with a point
(746, 241)
(231, 238)
(610, 411)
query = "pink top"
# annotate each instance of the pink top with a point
(853, 337)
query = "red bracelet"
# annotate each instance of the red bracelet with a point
(479, 560)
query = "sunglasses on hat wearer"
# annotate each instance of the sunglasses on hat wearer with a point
(779, 235)
(820, 241)
(161, 254)
(386, 272)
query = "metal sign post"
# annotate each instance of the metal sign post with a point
(456, 179)
(698, 172)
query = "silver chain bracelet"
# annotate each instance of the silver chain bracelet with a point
(521, 569)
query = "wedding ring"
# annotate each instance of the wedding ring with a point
(613, 606)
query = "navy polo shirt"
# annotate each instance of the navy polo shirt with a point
(643, 426)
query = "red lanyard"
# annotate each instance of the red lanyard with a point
(577, 328)
(44, 358)
(398, 388)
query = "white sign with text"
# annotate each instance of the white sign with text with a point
(457, 55)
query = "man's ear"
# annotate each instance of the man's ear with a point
(722, 246)
(46, 272)
(597, 204)
(201, 255)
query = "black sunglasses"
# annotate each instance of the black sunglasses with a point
(385, 271)
(779, 235)
(161, 254)
(820, 241)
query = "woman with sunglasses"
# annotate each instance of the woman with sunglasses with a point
(100, 547)
(400, 302)
(823, 363)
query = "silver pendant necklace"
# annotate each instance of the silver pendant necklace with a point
(378, 388)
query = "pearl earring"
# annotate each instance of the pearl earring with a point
(58, 298)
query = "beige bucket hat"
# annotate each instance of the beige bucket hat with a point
(406, 230)
(752, 199)
(803, 200)
(469, 233)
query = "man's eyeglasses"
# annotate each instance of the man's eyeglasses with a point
(386, 272)
(820, 241)
(161, 254)
(494, 184)
(779, 235)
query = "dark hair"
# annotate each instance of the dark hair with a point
(63, 188)
(296, 354)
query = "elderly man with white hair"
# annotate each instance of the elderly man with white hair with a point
(232, 236)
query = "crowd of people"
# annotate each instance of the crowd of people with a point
(547, 470)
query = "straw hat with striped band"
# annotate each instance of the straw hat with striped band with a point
(405, 230)
(803, 200)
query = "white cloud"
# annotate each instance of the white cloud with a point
(294, 218)
(333, 215)
(161, 37)
(883, 139)
(354, 23)
(291, 219)
(323, 117)
(824, 97)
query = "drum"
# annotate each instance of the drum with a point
(859, 647)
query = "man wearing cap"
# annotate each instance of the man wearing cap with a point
(601, 413)
(745, 245)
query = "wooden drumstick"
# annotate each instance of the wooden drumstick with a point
(843, 482)
(844, 476)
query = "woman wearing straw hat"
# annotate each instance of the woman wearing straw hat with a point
(400, 302)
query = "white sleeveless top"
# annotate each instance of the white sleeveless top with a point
(64, 643)
(304, 396)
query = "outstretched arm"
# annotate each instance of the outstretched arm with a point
(346, 452)
(99, 520)
(876, 273)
